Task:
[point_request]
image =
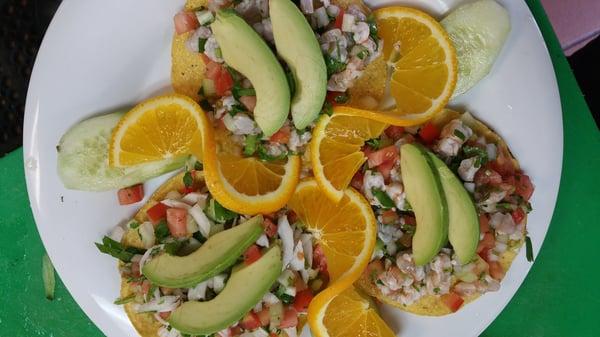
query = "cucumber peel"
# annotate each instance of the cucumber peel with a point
(82, 159)
(478, 31)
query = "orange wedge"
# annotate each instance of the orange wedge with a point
(335, 149)
(158, 128)
(349, 314)
(346, 231)
(422, 66)
(248, 185)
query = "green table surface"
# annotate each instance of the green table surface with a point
(559, 297)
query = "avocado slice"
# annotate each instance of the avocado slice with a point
(463, 221)
(246, 287)
(426, 196)
(297, 45)
(218, 253)
(245, 51)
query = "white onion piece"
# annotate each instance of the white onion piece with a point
(287, 239)
(161, 304)
(146, 231)
(201, 219)
(348, 22)
(175, 204)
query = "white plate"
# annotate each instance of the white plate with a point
(100, 55)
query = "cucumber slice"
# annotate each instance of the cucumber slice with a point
(83, 158)
(478, 31)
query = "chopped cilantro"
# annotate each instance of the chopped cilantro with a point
(205, 104)
(373, 30)
(264, 155)
(198, 236)
(188, 180)
(172, 247)
(115, 249)
(459, 134)
(380, 282)
(198, 166)
(285, 298)
(528, 249)
(219, 213)
(123, 300)
(383, 198)
(505, 206)
(250, 144)
(134, 224)
(363, 54)
(201, 44)
(236, 108)
(161, 231)
(436, 290)
(333, 65)
(327, 109)
(238, 91)
(291, 82)
(342, 98)
(375, 143)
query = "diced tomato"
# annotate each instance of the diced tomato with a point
(410, 220)
(374, 269)
(251, 255)
(518, 215)
(487, 176)
(503, 164)
(213, 70)
(177, 221)
(319, 260)
(205, 58)
(428, 133)
(157, 212)
(270, 227)
(394, 132)
(145, 287)
(186, 190)
(292, 217)
(223, 83)
(386, 170)
(290, 318)
(236, 330)
(484, 223)
(389, 217)
(249, 102)
(487, 242)
(496, 270)
(131, 195)
(164, 315)
(523, 186)
(264, 317)
(452, 300)
(357, 180)
(282, 136)
(385, 155)
(251, 321)
(185, 22)
(332, 97)
(339, 19)
(135, 269)
(302, 300)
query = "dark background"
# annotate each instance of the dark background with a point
(23, 23)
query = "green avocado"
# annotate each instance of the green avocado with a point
(425, 193)
(463, 222)
(245, 51)
(218, 253)
(246, 287)
(298, 47)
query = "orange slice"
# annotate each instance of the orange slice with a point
(346, 231)
(349, 314)
(248, 185)
(161, 127)
(335, 149)
(422, 66)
